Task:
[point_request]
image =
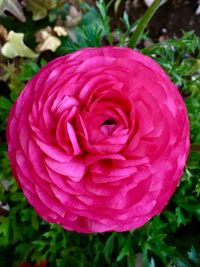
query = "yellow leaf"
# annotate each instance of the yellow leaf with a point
(60, 31)
(39, 8)
(15, 47)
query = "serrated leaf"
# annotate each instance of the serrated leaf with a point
(152, 263)
(34, 221)
(192, 255)
(39, 8)
(180, 262)
(5, 103)
(15, 47)
(16, 196)
(17, 235)
(15, 86)
(4, 226)
(13, 7)
(124, 251)
(180, 217)
(28, 70)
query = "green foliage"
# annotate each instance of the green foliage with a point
(89, 32)
(171, 239)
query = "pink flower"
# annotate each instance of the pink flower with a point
(98, 140)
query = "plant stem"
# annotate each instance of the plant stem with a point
(143, 23)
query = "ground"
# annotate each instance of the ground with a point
(171, 19)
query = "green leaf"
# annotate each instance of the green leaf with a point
(35, 221)
(24, 250)
(16, 197)
(192, 208)
(103, 8)
(180, 219)
(15, 47)
(15, 86)
(109, 246)
(4, 231)
(125, 251)
(135, 38)
(4, 226)
(5, 103)
(28, 70)
(16, 230)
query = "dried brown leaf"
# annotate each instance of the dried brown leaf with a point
(3, 34)
(47, 40)
(74, 17)
(13, 7)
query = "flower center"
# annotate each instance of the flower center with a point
(108, 126)
(109, 121)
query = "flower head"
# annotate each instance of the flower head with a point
(98, 140)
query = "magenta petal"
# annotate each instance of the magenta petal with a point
(73, 139)
(144, 118)
(50, 201)
(74, 169)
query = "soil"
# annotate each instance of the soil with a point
(172, 18)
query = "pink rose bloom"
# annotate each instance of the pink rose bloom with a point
(98, 140)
